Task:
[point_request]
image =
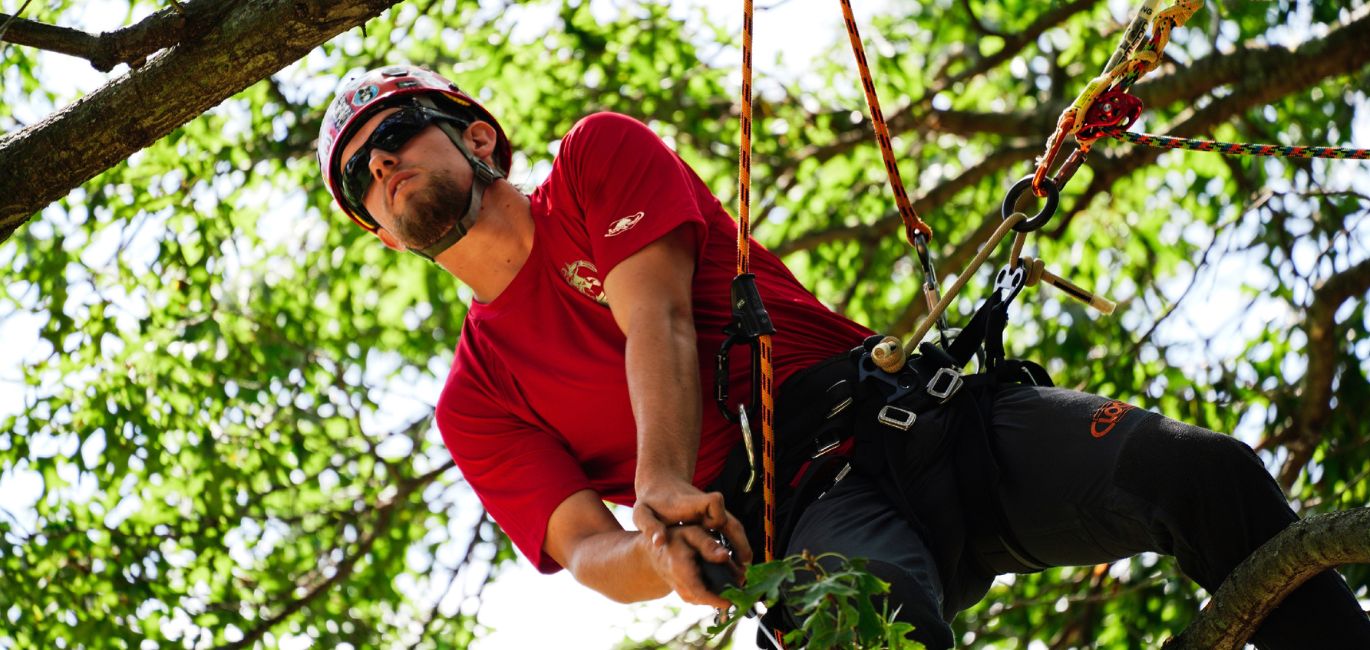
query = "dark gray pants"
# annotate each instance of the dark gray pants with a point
(1083, 481)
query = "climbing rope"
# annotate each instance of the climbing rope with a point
(1104, 103)
(916, 231)
(913, 224)
(750, 321)
(1241, 149)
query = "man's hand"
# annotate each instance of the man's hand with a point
(678, 559)
(584, 536)
(667, 503)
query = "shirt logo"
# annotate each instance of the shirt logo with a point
(624, 225)
(1107, 417)
(584, 277)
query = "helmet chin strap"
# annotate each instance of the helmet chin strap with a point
(483, 175)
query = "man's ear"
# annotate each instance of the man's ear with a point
(481, 138)
(389, 240)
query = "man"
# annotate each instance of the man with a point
(600, 301)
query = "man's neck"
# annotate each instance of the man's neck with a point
(490, 256)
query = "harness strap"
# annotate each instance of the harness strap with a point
(482, 176)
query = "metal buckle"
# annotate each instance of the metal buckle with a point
(841, 406)
(896, 417)
(945, 383)
(825, 448)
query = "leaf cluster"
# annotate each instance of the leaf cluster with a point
(841, 604)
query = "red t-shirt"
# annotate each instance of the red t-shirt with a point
(536, 406)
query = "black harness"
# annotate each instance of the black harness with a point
(847, 414)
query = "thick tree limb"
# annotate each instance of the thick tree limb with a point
(239, 43)
(1346, 49)
(132, 44)
(1342, 52)
(1277, 568)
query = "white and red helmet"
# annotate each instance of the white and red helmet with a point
(357, 99)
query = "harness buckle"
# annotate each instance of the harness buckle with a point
(896, 417)
(825, 447)
(945, 383)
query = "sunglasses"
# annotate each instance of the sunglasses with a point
(395, 131)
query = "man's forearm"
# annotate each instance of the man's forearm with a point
(663, 382)
(617, 565)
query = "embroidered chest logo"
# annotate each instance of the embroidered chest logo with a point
(1107, 417)
(624, 225)
(584, 277)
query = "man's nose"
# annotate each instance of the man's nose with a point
(381, 162)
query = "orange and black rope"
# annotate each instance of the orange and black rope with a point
(913, 225)
(1242, 149)
(743, 266)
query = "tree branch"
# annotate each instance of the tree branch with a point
(5, 26)
(1343, 51)
(886, 224)
(132, 44)
(1315, 400)
(236, 45)
(1269, 71)
(1258, 584)
(1015, 42)
(385, 514)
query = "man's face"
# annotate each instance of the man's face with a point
(416, 191)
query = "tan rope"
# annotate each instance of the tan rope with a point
(986, 249)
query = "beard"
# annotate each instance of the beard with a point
(431, 211)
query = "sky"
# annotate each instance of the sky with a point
(522, 608)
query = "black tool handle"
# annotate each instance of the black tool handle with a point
(718, 576)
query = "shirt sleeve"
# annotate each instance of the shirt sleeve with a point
(630, 186)
(520, 472)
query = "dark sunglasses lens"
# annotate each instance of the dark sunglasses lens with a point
(391, 134)
(397, 129)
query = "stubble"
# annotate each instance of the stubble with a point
(432, 211)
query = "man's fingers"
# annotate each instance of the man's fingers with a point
(684, 503)
(715, 512)
(696, 545)
(737, 536)
(649, 523)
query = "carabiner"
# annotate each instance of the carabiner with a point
(1035, 222)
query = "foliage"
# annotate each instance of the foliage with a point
(838, 600)
(215, 429)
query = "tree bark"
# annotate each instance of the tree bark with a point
(1258, 584)
(229, 46)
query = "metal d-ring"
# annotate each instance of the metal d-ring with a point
(1040, 219)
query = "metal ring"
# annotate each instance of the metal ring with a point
(1043, 216)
